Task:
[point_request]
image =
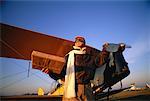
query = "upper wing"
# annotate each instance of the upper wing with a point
(19, 43)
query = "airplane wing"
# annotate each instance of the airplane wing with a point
(19, 43)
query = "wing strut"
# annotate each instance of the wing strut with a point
(29, 68)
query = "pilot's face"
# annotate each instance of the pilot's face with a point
(79, 43)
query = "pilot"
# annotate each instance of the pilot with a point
(80, 69)
(77, 71)
(74, 86)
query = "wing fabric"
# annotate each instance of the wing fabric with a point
(19, 43)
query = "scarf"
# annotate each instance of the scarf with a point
(69, 87)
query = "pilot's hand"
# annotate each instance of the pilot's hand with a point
(105, 45)
(104, 51)
(103, 54)
(45, 70)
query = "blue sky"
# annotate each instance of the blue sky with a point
(98, 21)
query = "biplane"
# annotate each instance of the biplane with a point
(47, 51)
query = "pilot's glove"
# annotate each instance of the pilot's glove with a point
(103, 57)
(45, 70)
(104, 53)
(105, 45)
